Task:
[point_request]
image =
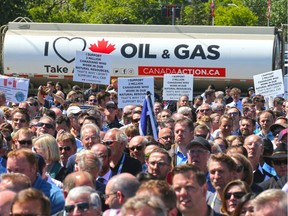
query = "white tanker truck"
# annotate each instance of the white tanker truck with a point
(213, 54)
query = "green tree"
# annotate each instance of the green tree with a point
(234, 15)
(278, 14)
(197, 13)
(10, 10)
(259, 8)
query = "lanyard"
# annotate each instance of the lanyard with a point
(213, 201)
(121, 165)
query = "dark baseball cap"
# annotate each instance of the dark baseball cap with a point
(199, 141)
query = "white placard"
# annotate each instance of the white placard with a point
(15, 89)
(269, 84)
(175, 86)
(132, 91)
(92, 68)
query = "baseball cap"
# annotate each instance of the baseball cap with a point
(199, 141)
(277, 127)
(73, 110)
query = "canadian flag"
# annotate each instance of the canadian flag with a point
(10, 83)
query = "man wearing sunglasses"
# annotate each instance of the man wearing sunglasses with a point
(67, 146)
(120, 162)
(83, 200)
(136, 149)
(46, 125)
(23, 138)
(279, 163)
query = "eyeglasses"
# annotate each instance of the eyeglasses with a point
(47, 125)
(159, 164)
(239, 168)
(204, 110)
(19, 120)
(197, 152)
(166, 137)
(65, 148)
(138, 148)
(237, 195)
(135, 120)
(25, 142)
(82, 207)
(279, 162)
(106, 196)
(233, 114)
(108, 142)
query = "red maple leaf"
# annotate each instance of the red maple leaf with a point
(102, 47)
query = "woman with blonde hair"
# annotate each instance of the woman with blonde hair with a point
(46, 145)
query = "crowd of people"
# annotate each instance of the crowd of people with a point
(77, 153)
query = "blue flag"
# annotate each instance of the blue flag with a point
(148, 123)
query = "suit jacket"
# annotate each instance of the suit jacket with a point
(130, 165)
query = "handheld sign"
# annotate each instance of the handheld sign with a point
(269, 84)
(92, 68)
(132, 91)
(15, 89)
(176, 85)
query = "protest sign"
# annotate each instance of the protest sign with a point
(92, 68)
(15, 89)
(133, 90)
(269, 84)
(176, 85)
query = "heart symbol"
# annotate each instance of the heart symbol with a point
(66, 48)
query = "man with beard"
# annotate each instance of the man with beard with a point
(166, 137)
(159, 164)
(247, 126)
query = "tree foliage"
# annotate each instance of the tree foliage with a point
(193, 12)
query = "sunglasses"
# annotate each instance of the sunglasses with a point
(279, 162)
(166, 137)
(135, 120)
(47, 125)
(94, 101)
(237, 195)
(25, 142)
(65, 148)
(258, 100)
(19, 120)
(33, 104)
(159, 164)
(82, 207)
(108, 142)
(138, 148)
